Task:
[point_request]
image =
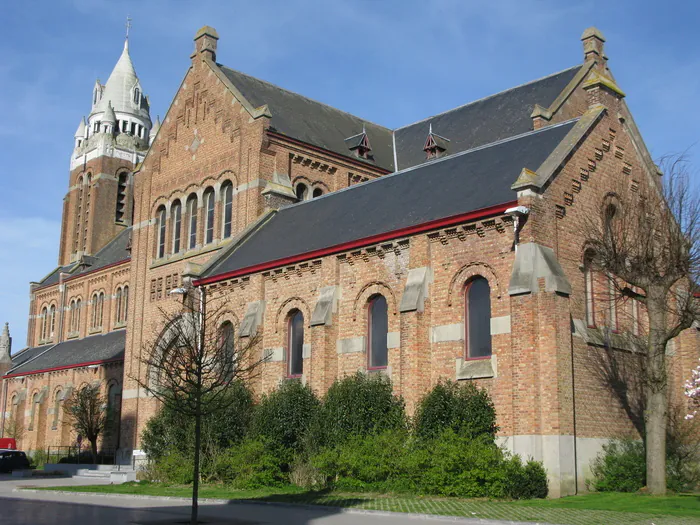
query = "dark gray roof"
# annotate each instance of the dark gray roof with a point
(482, 122)
(313, 122)
(102, 347)
(113, 252)
(28, 353)
(439, 189)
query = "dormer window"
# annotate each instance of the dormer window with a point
(435, 145)
(137, 95)
(359, 145)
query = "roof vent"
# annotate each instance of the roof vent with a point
(359, 144)
(435, 145)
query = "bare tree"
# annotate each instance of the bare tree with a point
(191, 362)
(14, 428)
(645, 243)
(87, 414)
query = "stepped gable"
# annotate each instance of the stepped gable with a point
(92, 349)
(439, 189)
(484, 121)
(113, 252)
(312, 122)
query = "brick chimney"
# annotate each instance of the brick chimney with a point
(593, 47)
(205, 43)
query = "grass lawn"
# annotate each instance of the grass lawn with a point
(589, 509)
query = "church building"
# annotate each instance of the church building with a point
(449, 248)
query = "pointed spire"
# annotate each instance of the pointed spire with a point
(80, 132)
(109, 116)
(154, 130)
(5, 346)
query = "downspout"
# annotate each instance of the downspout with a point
(519, 214)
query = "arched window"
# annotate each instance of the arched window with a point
(118, 305)
(78, 305)
(137, 95)
(588, 277)
(44, 324)
(176, 214)
(121, 197)
(477, 318)
(226, 343)
(125, 303)
(317, 192)
(58, 398)
(34, 410)
(302, 191)
(97, 308)
(114, 402)
(227, 191)
(101, 302)
(209, 203)
(161, 232)
(192, 219)
(71, 326)
(378, 327)
(295, 344)
(52, 320)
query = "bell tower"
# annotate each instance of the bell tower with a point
(108, 146)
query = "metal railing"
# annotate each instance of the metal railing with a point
(80, 455)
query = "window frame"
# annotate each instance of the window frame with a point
(176, 216)
(160, 250)
(192, 207)
(227, 216)
(467, 320)
(209, 215)
(371, 303)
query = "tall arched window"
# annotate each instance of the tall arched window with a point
(477, 318)
(121, 197)
(192, 219)
(302, 191)
(209, 219)
(114, 402)
(56, 408)
(52, 320)
(97, 308)
(118, 305)
(176, 213)
(125, 304)
(589, 291)
(161, 232)
(378, 323)
(78, 305)
(71, 308)
(101, 302)
(44, 324)
(295, 344)
(227, 192)
(137, 95)
(34, 410)
(227, 344)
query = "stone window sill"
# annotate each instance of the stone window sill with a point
(96, 330)
(476, 368)
(73, 335)
(120, 325)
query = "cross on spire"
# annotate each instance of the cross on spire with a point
(128, 25)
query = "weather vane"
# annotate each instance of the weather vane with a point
(128, 25)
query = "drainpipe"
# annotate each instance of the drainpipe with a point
(62, 309)
(519, 214)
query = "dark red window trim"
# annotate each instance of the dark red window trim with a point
(374, 239)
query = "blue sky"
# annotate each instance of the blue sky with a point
(390, 62)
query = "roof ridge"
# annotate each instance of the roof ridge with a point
(488, 97)
(436, 161)
(305, 97)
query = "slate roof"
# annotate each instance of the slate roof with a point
(483, 121)
(113, 252)
(439, 189)
(102, 347)
(312, 122)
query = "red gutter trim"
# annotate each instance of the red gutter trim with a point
(66, 367)
(83, 274)
(374, 239)
(281, 136)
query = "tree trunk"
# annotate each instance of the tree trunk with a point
(195, 479)
(93, 448)
(656, 411)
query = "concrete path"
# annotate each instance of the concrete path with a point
(49, 508)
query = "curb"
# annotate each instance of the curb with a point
(308, 506)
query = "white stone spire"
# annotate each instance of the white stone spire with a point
(154, 130)
(5, 348)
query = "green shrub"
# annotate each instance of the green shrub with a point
(173, 468)
(249, 465)
(526, 481)
(461, 407)
(620, 467)
(360, 404)
(168, 431)
(283, 417)
(366, 463)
